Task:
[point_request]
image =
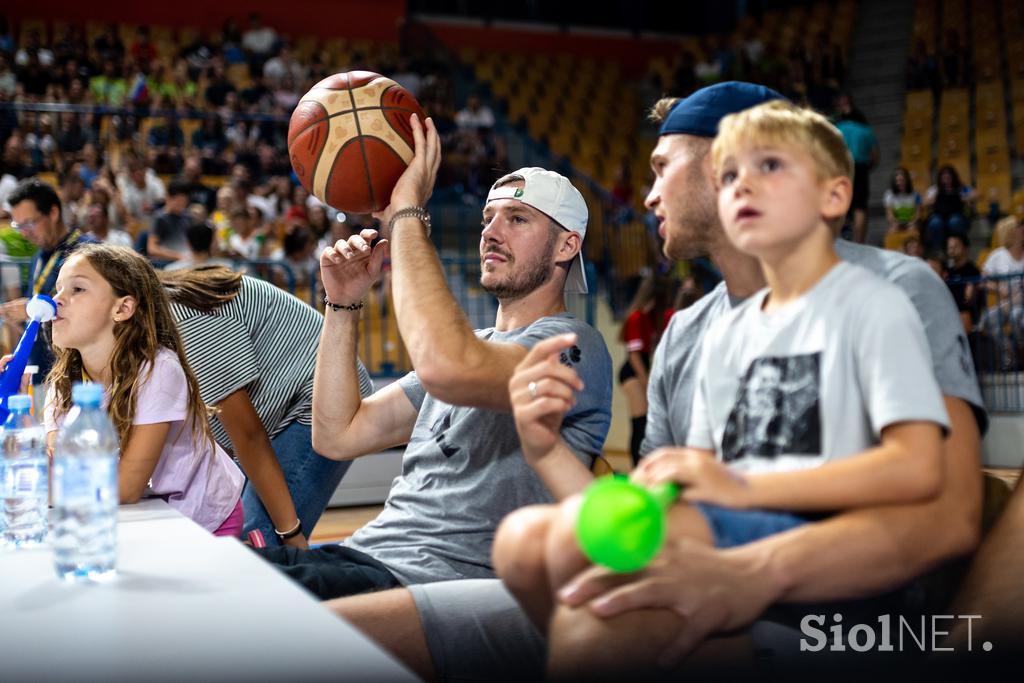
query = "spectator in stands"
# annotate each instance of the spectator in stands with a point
(41, 144)
(36, 213)
(6, 38)
(298, 252)
(200, 249)
(1004, 321)
(949, 200)
(912, 247)
(1001, 234)
(282, 65)
(259, 42)
(953, 64)
(33, 77)
(142, 50)
(141, 190)
(218, 87)
(645, 320)
(8, 80)
(104, 191)
(921, 68)
(108, 45)
(474, 115)
(407, 77)
(72, 136)
(72, 195)
(34, 46)
(192, 176)
(936, 260)
(902, 209)
(16, 162)
(247, 233)
(167, 241)
(165, 141)
(863, 146)
(211, 142)
(257, 97)
(109, 88)
(90, 163)
(960, 267)
(320, 223)
(97, 224)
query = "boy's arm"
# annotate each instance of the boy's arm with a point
(905, 468)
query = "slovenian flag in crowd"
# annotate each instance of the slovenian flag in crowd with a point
(139, 94)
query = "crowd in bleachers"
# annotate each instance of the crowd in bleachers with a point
(153, 134)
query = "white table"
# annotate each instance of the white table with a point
(184, 606)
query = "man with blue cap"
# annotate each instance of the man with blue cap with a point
(601, 625)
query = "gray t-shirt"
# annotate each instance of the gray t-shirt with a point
(814, 381)
(463, 469)
(673, 369)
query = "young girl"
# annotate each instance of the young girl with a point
(114, 327)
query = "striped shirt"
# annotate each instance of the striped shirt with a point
(264, 341)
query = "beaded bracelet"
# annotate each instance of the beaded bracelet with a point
(340, 307)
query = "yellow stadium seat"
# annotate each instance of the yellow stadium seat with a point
(993, 186)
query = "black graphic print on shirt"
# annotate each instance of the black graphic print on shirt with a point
(776, 410)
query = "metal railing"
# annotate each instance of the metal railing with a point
(992, 312)
(381, 348)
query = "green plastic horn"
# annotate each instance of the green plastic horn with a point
(621, 525)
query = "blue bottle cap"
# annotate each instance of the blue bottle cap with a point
(87, 393)
(19, 403)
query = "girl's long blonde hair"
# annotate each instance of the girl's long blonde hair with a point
(136, 341)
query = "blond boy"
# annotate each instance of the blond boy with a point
(816, 394)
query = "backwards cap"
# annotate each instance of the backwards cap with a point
(553, 195)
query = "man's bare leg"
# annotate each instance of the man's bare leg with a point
(391, 619)
(582, 645)
(994, 588)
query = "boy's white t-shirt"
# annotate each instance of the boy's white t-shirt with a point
(815, 381)
(195, 476)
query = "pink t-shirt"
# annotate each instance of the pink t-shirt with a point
(195, 477)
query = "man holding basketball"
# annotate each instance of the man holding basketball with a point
(463, 468)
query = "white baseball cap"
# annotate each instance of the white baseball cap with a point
(553, 195)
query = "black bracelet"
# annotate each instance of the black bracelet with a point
(339, 307)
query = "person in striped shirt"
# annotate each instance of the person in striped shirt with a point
(253, 348)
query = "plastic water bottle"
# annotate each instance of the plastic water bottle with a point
(25, 476)
(85, 494)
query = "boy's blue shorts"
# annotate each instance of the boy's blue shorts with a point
(731, 527)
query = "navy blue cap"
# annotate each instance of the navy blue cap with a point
(700, 113)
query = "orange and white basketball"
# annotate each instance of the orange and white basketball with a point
(349, 139)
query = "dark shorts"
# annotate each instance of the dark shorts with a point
(330, 571)
(627, 372)
(861, 174)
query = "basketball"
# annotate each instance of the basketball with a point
(349, 139)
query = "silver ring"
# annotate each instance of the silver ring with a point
(532, 386)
